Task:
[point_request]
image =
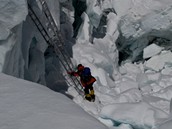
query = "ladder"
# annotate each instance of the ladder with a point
(56, 41)
(51, 22)
(39, 25)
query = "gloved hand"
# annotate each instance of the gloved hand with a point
(68, 72)
(71, 73)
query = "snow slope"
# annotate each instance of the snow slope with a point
(27, 105)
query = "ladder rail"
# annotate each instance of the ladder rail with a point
(52, 23)
(72, 79)
(70, 68)
(56, 31)
(59, 51)
(63, 61)
(39, 25)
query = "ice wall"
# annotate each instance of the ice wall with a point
(11, 18)
(98, 31)
(24, 53)
(139, 23)
(142, 23)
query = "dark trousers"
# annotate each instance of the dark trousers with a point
(88, 88)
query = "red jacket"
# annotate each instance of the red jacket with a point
(90, 81)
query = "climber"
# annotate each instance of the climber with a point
(87, 81)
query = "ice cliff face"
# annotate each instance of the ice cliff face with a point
(24, 53)
(11, 15)
(11, 18)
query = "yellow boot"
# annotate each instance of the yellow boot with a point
(92, 95)
(88, 97)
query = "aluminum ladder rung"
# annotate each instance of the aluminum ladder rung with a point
(51, 21)
(56, 41)
(38, 24)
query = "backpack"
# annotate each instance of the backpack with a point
(86, 71)
(86, 74)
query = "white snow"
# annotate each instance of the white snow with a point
(27, 105)
(11, 15)
(151, 50)
(83, 33)
(138, 114)
(130, 96)
(158, 62)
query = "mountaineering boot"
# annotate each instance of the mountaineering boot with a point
(92, 95)
(93, 98)
(88, 97)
